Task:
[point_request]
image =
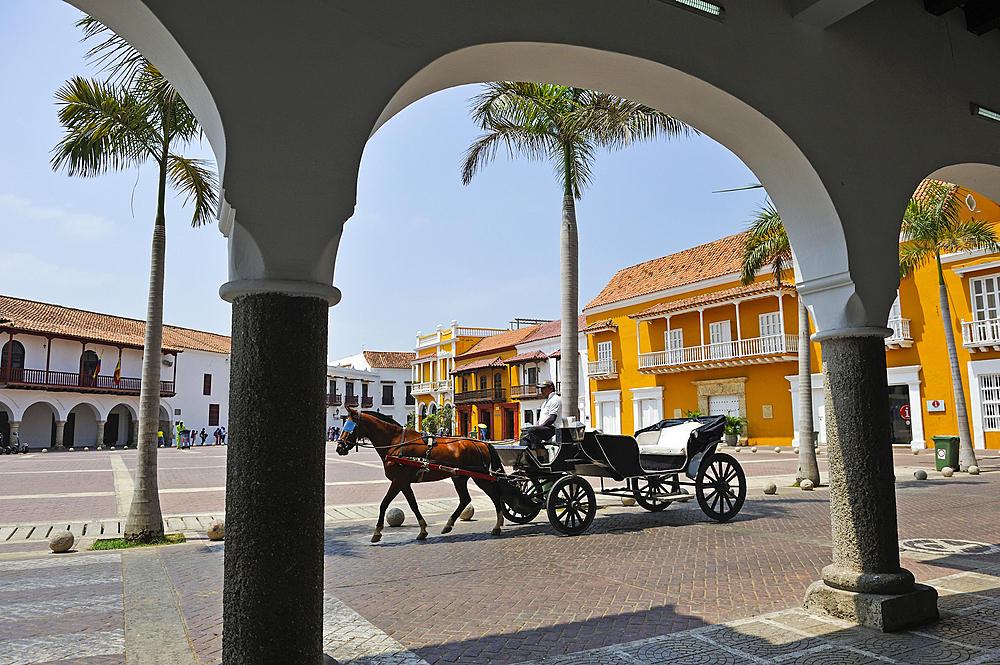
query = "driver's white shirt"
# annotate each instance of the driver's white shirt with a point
(553, 404)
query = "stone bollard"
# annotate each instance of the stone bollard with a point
(947, 472)
(770, 488)
(806, 484)
(628, 501)
(467, 513)
(973, 470)
(394, 517)
(920, 474)
(61, 541)
(216, 530)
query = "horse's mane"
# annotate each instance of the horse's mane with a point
(384, 417)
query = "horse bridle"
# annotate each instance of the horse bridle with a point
(351, 431)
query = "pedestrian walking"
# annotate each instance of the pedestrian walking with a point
(216, 437)
(159, 439)
(180, 428)
(203, 435)
(222, 436)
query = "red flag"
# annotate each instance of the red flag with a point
(118, 371)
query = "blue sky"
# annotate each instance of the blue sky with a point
(420, 250)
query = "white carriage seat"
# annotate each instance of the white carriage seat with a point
(668, 441)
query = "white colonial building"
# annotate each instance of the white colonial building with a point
(70, 378)
(375, 380)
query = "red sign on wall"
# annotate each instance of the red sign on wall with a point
(904, 412)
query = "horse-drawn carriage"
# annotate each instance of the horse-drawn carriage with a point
(656, 467)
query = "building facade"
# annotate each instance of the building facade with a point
(70, 378)
(434, 360)
(680, 334)
(375, 380)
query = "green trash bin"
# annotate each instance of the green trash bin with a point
(946, 451)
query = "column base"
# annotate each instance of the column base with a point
(883, 612)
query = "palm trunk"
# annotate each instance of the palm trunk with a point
(808, 468)
(966, 454)
(569, 331)
(145, 520)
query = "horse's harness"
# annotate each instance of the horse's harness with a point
(351, 427)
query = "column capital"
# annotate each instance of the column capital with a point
(861, 331)
(230, 291)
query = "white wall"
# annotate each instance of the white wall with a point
(191, 369)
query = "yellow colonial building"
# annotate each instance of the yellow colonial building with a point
(432, 386)
(679, 333)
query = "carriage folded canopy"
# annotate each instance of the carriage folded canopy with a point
(680, 436)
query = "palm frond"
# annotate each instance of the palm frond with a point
(532, 145)
(106, 128)
(113, 55)
(197, 181)
(766, 243)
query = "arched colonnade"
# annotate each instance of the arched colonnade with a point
(840, 119)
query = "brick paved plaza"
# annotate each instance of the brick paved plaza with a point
(637, 587)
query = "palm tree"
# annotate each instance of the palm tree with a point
(767, 243)
(564, 126)
(933, 225)
(133, 117)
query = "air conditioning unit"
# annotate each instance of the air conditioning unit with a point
(167, 362)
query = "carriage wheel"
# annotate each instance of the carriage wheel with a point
(721, 487)
(532, 489)
(571, 505)
(647, 489)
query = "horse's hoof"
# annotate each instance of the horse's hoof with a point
(447, 529)
(496, 532)
(421, 536)
(377, 537)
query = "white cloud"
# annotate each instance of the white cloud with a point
(80, 225)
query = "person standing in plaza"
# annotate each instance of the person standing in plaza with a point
(204, 435)
(222, 436)
(180, 428)
(548, 416)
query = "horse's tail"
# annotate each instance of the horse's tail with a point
(496, 466)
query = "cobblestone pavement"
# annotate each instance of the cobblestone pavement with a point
(637, 587)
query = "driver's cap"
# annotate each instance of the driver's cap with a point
(546, 384)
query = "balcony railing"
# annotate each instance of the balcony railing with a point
(41, 378)
(443, 386)
(422, 388)
(481, 396)
(334, 400)
(351, 400)
(981, 335)
(529, 391)
(602, 368)
(366, 402)
(738, 352)
(900, 336)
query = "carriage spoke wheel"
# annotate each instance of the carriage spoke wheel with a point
(530, 488)
(571, 505)
(721, 487)
(647, 491)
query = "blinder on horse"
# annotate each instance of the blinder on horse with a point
(344, 442)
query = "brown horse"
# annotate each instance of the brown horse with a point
(389, 438)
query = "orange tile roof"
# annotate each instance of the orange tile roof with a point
(597, 326)
(553, 329)
(390, 359)
(755, 289)
(714, 259)
(531, 356)
(479, 364)
(504, 340)
(45, 319)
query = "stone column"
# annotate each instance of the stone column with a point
(273, 588)
(100, 434)
(865, 582)
(60, 427)
(133, 425)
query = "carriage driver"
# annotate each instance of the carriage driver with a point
(547, 416)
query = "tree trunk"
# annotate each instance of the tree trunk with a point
(145, 521)
(808, 468)
(966, 454)
(569, 332)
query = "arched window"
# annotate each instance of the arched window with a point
(434, 409)
(423, 410)
(13, 352)
(88, 363)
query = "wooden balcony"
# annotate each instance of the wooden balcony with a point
(366, 402)
(488, 396)
(334, 400)
(753, 351)
(351, 400)
(75, 382)
(981, 335)
(530, 391)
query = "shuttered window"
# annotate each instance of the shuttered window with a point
(208, 385)
(213, 415)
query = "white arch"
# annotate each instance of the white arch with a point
(132, 410)
(57, 409)
(98, 409)
(981, 178)
(783, 169)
